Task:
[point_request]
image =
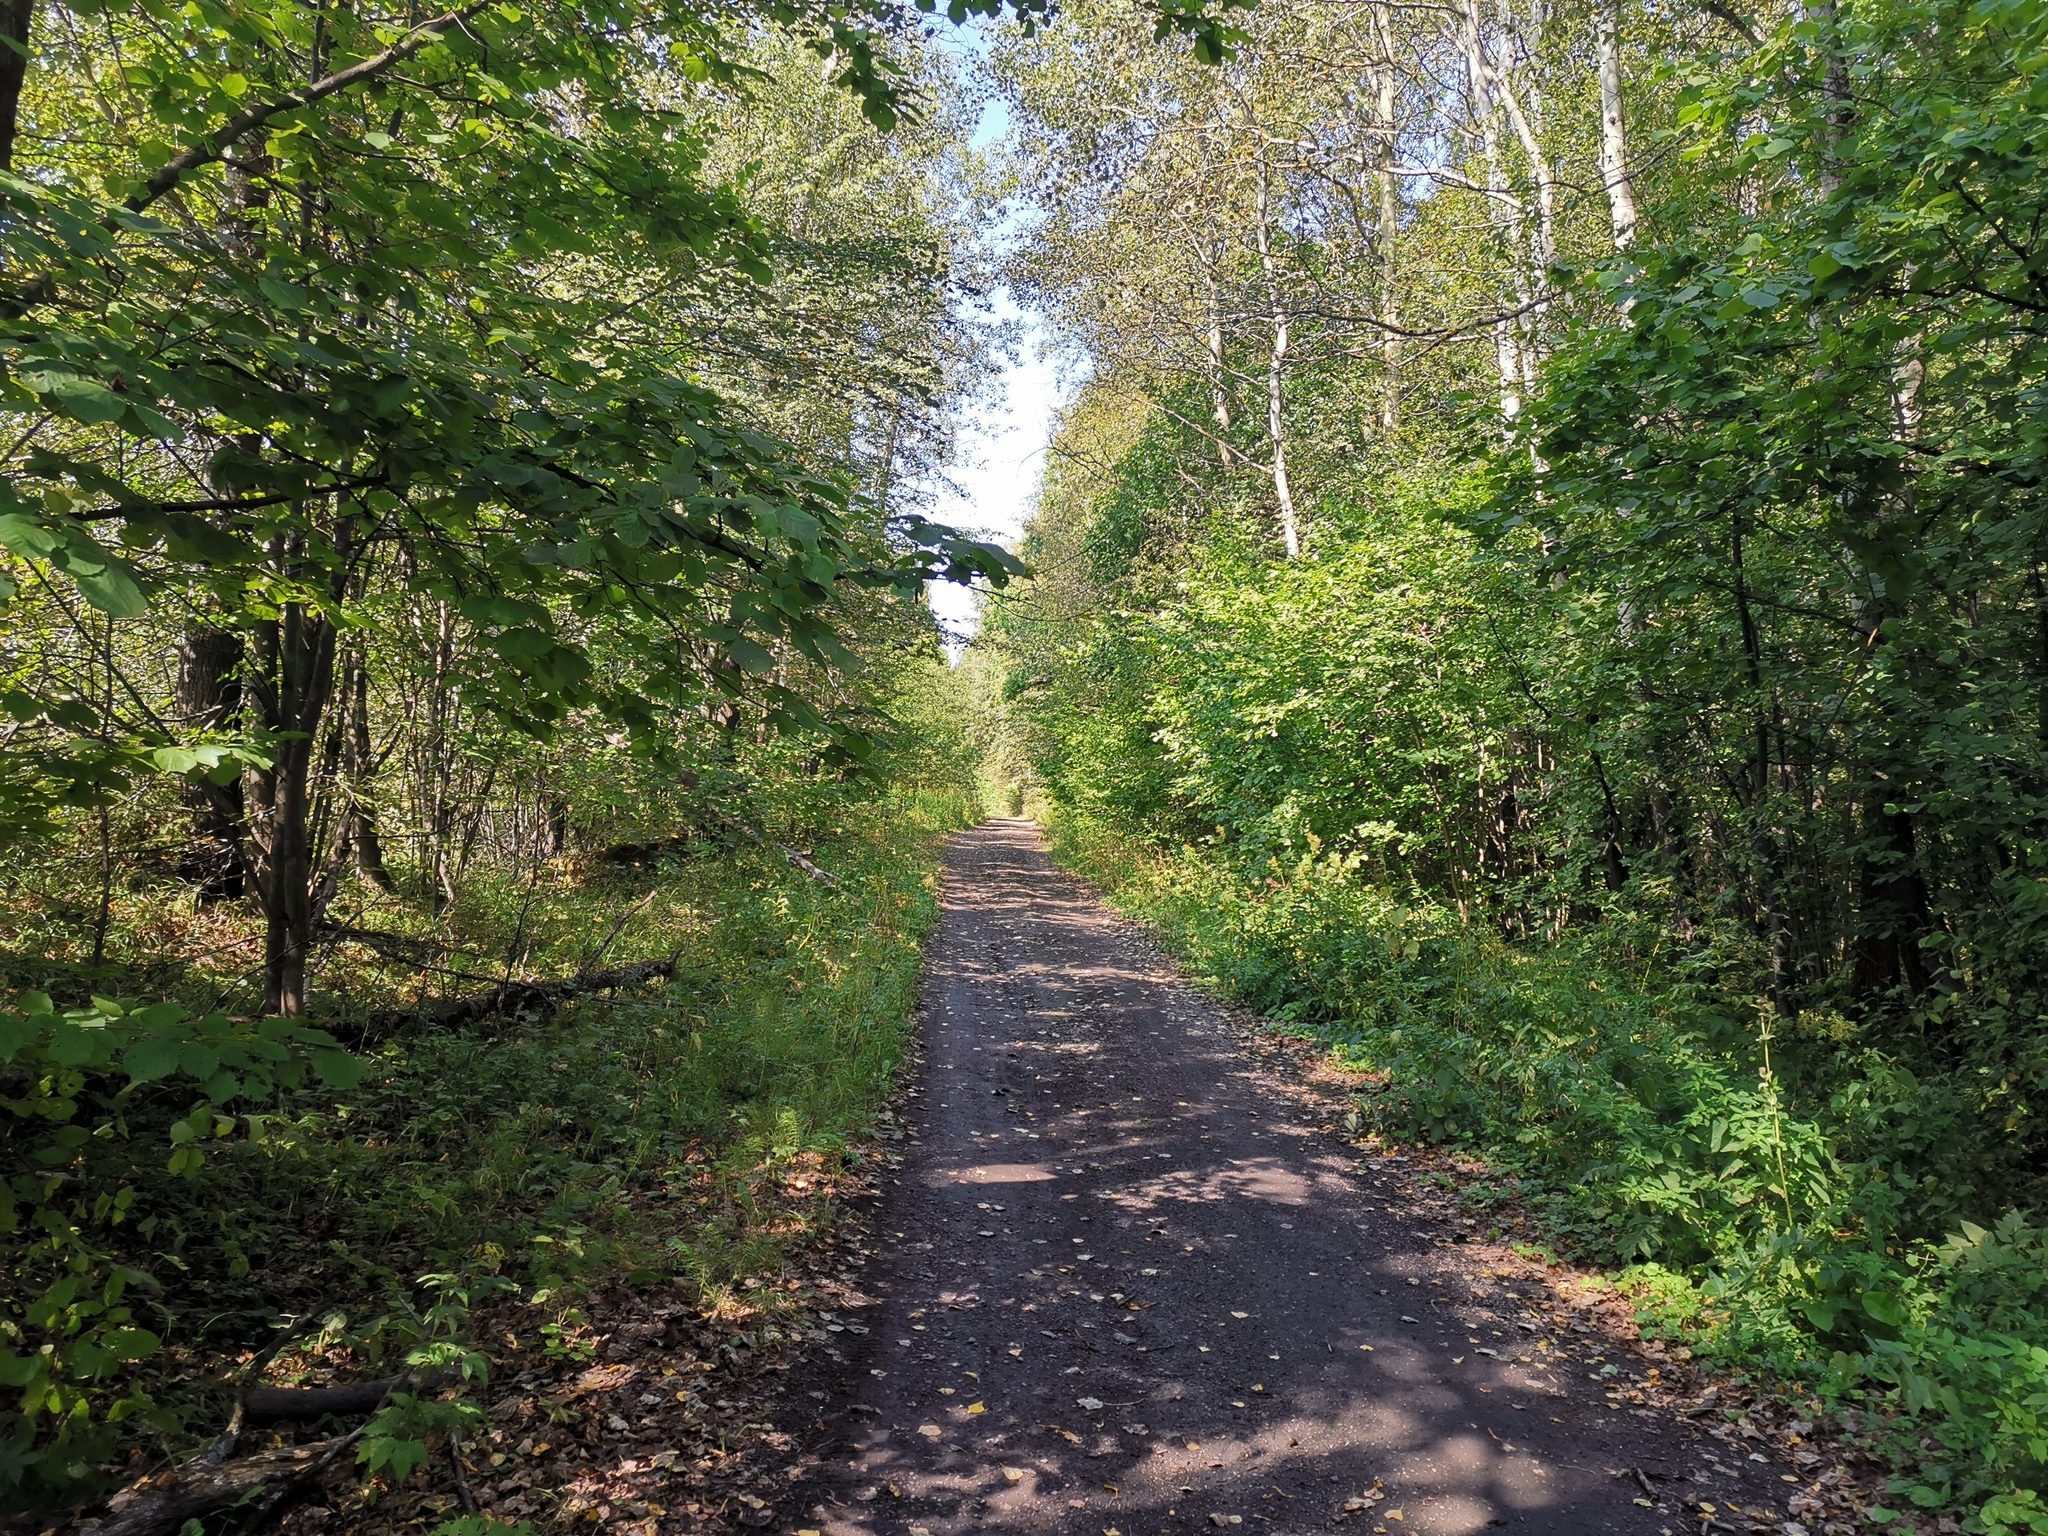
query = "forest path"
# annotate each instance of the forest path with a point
(1135, 1288)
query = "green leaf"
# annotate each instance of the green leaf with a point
(750, 657)
(148, 1060)
(338, 1069)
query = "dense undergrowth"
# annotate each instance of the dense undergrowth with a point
(1768, 1217)
(359, 1214)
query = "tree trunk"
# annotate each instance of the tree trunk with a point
(289, 683)
(1504, 207)
(1621, 192)
(16, 19)
(1276, 365)
(1219, 393)
(358, 763)
(210, 700)
(1387, 195)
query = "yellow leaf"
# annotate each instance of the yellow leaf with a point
(977, 1408)
(1395, 1514)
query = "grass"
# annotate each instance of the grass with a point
(667, 1136)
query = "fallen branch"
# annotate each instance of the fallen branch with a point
(538, 997)
(319, 1402)
(605, 945)
(394, 946)
(797, 861)
(159, 1505)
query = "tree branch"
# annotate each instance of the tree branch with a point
(230, 133)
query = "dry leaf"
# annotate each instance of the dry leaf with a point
(1091, 1404)
(1395, 1514)
(977, 1408)
(1013, 1474)
(930, 1431)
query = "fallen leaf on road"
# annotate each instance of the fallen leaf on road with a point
(945, 1391)
(930, 1431)
(1395, 1514)
(977, 1407)
(1226, 1519)
(1240, 1314)
(1092, 1404)
(1366, 1347)
(1013, 1474)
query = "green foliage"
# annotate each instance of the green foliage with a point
(75, 1082)
(375, 1207)
(1641, 769)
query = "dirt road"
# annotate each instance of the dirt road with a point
(1134, 1288)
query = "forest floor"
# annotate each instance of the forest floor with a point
(1125, 1270)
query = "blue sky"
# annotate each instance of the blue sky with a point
(1002, 446)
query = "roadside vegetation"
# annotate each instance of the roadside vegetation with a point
(473, 743)
(1542, 587)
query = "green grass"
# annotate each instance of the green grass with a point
(683, 1133)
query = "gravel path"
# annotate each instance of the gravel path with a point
(1131, 1285)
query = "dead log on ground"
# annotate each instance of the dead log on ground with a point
(508, 997)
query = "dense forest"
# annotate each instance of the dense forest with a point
(1542, 585)
(473, 729)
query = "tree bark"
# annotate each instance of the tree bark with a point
(289, 684)
(1621, 192)
(1276, 364)
(1387, 196)
(209, 699)
(16, 19)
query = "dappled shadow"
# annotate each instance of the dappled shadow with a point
(1131, 1293)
